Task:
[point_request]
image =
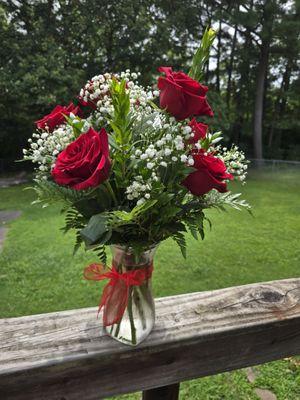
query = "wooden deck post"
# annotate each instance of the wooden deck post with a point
(170, 392)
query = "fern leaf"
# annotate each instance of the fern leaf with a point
(179, 238)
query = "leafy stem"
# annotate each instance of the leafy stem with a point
(112, 193)
(202, 54)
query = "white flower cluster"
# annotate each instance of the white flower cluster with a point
(96, 91)
(45, 146)
(235, 161)
(139, 190)
(164, 144)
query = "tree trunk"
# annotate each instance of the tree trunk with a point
(261, 77)
(259, 98)
(218, 58)
(230, 67)
(280, 104)
(241, 95)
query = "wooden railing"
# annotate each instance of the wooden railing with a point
(66, 356)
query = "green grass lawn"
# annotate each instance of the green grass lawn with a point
(39, 274)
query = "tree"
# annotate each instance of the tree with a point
(50, 48)
(268, 14)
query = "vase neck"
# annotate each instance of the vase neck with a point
(127, 258)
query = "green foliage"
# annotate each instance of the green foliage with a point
(121, 121)
(121, 124)
(211, 139)
(97, 230)
(49, 192)
(195, 224)
(37, 74)
(179, 238)
(221, 200)
(202, 55)
(77, 124)
(74, 221)
(135, 213)
(101, 253)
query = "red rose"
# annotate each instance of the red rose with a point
(89, 104)
(198, 129)
(210, 174)
(181, 95)
(56, 117)
(85, 162)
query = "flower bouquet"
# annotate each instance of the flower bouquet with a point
(134, 166)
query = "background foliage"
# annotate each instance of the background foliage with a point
(49, 48)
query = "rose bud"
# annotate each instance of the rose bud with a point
(56, 117)
(210, 174)
(181, 95)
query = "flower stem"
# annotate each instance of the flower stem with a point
(131, 319)
(110, 189)
(118, 327)
(139, 305)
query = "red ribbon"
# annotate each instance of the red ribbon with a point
(115, 294)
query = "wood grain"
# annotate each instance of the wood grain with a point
(66, 356)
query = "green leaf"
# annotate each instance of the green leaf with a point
(220, 200)
(137, 210)
(193, 231)
(101, 253)
(202, 54)
(209, 223)
(49, 192)
(128, 217)
(116, 129)
(180, 240)
(77, 124)
(97, 230)
(112, 142)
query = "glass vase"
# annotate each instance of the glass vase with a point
(138, 318)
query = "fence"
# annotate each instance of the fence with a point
(274, 165)
(66, 356)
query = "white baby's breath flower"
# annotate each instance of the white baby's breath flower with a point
(179, 146)
(183, 158)
(186, 130)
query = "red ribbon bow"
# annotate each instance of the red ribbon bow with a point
(115, 294)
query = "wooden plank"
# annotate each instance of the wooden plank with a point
(66, 356)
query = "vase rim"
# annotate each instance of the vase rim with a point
(130, 248)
